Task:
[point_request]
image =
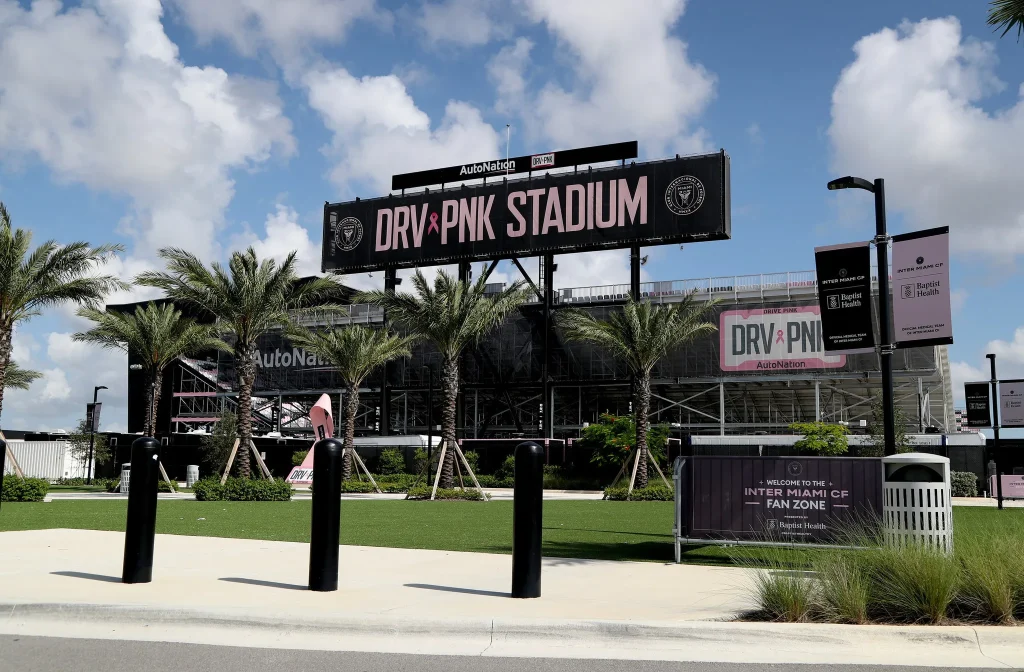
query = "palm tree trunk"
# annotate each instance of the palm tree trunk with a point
(6, 334)
(643, 425)
(246, 377)
(351, 409)
(450, 397)
(150, 425)
(158, 381)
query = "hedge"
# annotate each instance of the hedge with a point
(242, 490)
(963, 484)
(23, 489)
(655, 492)
(423, 492)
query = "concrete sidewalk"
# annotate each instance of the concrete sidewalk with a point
(253, 593)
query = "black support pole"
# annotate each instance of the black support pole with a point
(465, 275)
(547, 283)
(527, 520)
(390, 284)
(326, 518)
(995, 430)
(430, 420)
(634, 272)
(140, 530)
(3, 466)
(884, 318)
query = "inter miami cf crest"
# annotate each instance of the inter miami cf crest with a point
(348, 234)
(684, 195)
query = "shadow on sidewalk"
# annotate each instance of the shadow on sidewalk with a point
(92, 577)
(258, 582)
(451, 589)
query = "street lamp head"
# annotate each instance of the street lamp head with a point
(850, 182)
(102, 387)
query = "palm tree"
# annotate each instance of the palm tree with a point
(18, 378)
(249, 299)
(44, 277)
(356, 351)
(156, 335)
(1007, 14)
(641, 334)
(451, 315)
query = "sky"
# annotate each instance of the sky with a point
(213, 126)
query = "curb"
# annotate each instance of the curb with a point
(696, 641)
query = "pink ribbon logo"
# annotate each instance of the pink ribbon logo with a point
(779, 338)
(433, 225)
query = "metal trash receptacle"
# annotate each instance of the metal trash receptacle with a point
(191, 475)
(126, 473)
(916, 501)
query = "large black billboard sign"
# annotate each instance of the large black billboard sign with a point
(676, 200)
(789, 499)
(979, 412)
(518, 164)
(844, 293)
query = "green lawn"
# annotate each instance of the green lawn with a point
(574, 529)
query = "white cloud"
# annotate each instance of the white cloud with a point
(288, 28)
(908, 109)
(283, 234)
(1009, 361)
(54, 386)
(962, 372)
(461, 22)
(100, 95)
(958, 298)
(378, 130)
(508, 72)
(631, 78)
(755, 135)
(1009, 352)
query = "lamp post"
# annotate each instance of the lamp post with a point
(886, 347)
(993, 382)
(92, 433)
(430, 419)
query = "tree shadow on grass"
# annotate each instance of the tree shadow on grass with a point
(91, 577)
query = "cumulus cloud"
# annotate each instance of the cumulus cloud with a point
(631, 78)
(283, 234)
(1009, 356)
(378, 130)
(909, 109)
(463, 23)
(99, 94)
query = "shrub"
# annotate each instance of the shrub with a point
(298, 456)
(111, 484)
(507, 470)
(257, 490)
(23, 489)
(487, 481)
(473, 458)
(423, 492)
(911, 584)
(71, 482)
(391, 461)
(655, 492)
(396, 482)
(208, 489)
(820, 438)
(353, 485)
(842, 587)
(963, 484)
(166, 486)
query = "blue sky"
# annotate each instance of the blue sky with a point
(216, 125)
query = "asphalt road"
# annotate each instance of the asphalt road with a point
(47, 654)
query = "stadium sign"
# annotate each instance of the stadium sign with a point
(619, 151)
(676, 200)
(844, 295)
(977, 397)
(921, 309)
(774, 339)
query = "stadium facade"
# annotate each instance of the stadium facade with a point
(762, 371)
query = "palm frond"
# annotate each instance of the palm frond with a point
(355, 350)
(17, 377)
(1007, 15)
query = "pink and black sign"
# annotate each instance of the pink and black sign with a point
(774, 339)
(793, 499)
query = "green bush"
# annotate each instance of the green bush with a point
(820, 438)
(71, 482)
(911, 584)
(353, 485)
(487, 481)
(396, 482)
(655, 492)
(111, 484)
(391, 461)
(257, 490)
(208, 489)
(298, 456)
(963, 484)
(473, 458)
(423, 492)
(166, 486)
(507, 470)
(23, 489)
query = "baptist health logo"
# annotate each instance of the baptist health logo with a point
(348, 234)
(833, 301)
(684, 195)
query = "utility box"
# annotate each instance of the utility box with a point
(126, 473)
(191, 475)
(916, 503)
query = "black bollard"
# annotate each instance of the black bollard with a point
(326, 526)
(3, 465)
(527, 519)
(140, 531)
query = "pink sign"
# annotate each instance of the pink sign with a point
(323, 428)
(774, 339)
(1013, 486)
(921, 309)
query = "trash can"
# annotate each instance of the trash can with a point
(126, 472)
(191, 475)
(916, 504)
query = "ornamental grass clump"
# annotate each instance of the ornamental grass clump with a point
(843, 588)
(910, 583)
(782, 592)
(992, 580)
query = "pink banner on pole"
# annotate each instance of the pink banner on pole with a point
(1013, 486)
(323, 428)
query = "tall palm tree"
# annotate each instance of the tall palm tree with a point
(356, 351)
(18, 378)
(641, 334)
(451, 315)
(156, 335)
(1007, 14)
(250, 298)
(44, 277)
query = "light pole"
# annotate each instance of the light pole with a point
(995, 428)
(92, 433)
(886, 347)
(430, 419)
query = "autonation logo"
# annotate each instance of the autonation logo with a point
(488, 167)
